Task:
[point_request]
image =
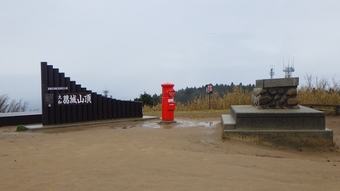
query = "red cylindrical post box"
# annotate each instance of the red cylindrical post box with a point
(168, 102)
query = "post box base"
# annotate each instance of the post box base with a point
(166, 122)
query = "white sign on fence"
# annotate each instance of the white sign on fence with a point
(57, 88)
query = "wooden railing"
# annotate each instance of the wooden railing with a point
(325, 107)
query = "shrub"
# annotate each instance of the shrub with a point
(21, 128)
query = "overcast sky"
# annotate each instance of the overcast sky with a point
(134, 46)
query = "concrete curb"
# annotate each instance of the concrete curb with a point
(40, 126)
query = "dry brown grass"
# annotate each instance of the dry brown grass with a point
(237, 97)
(318, 96)
(241, 97)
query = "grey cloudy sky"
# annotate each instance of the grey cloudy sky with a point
(134, 46)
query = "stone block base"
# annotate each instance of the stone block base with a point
(278, 93)
(249, 117)
(298, 127)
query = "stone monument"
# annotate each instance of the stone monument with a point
(276, 118)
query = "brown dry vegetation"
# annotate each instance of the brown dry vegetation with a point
(306, 95)
(318, 96)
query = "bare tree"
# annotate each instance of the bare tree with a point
(336, 85)
(7, 106)
(309, 80)
(321, 83)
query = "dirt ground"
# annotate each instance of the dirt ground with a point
(144, 155)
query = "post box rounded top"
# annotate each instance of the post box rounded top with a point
(167, 84)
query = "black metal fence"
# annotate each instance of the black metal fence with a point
(20, 118)
(64, 101)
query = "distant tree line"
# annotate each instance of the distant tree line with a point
(7, 106)
(189, 94)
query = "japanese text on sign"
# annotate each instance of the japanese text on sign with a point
(57, 88)
(74, 98)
